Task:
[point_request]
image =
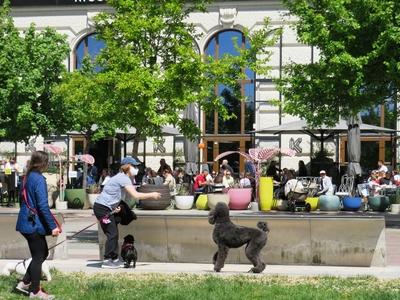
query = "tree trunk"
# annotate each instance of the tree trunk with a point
(135, 149)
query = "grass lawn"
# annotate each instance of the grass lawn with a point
(208, 287)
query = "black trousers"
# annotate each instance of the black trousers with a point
(39, 251)
(110, 230)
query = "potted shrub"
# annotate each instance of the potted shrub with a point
(93, 192)
(264, 185)
(183, 198)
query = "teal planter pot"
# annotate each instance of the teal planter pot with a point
(378, 203)
(352, 203)
(76, 198)
(329, 203)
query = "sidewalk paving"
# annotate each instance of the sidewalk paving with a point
(94, 266)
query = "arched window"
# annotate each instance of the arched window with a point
(89, 45)
(221, 44)
(220, 135)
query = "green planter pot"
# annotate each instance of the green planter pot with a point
(378, 203)
(329, 203)
(76, 198)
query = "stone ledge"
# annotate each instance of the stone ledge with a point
(14, 246)
(293, 240)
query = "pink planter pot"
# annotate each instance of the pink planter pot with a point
(239, 198)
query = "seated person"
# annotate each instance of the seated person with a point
(387, 180)
(200, 181)
(227, 180)
(326, 184)
(169, 180)
(104, 177)
(155, 178)
(245, 180)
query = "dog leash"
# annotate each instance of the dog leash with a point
(75, 234)
(82, 230)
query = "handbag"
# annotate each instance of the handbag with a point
(125, 216)
(33, 212)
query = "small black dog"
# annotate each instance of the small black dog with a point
(128, 251)
(228, 235)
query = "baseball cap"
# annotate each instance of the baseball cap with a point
(130, 160)
(322, 172)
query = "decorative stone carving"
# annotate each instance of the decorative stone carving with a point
(227, 16)
(90, 18)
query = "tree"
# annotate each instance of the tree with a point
(357, 68)
(30, 65)
(153, 70)
(83, 97)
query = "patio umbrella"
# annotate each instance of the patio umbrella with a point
(354, 145)
(189, 147)
(323, 132)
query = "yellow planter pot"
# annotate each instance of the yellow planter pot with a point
(313, 201)
(201, 202)
(266, 192)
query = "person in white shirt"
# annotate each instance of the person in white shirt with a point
(326, 184)
(228, 180)
(244, 180)
(382, 167)
(169, 181)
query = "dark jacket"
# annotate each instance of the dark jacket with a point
(36, 190)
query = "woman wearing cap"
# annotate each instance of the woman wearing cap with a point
(107, 203)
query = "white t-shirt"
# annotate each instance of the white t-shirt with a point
(113, 191)
(383, 168)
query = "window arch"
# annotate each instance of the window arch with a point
(223, 43)
(89, 45)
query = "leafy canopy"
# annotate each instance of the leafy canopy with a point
(153, 69)
(31, 63)
(357, 68)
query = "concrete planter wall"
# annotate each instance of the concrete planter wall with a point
(293, 240)
(14, 246)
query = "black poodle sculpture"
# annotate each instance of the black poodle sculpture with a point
(228, 235)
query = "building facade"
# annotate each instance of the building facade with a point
(224, 20)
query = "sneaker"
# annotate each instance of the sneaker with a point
(110, 264)
(41, 295)
(119, 262)
(23, 288)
